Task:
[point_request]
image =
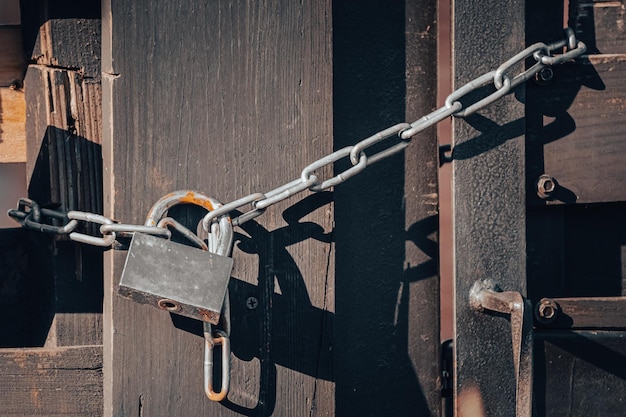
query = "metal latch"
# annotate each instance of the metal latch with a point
(486, 296)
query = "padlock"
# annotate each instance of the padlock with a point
(176, 277)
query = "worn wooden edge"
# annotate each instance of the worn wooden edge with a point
(12, 125)
(421, 194)
(583, 313)
(51, 382)
(12, 62)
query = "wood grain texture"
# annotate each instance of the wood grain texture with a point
(575, 129)
(64, 170)
(226, 98)
(12, 104)
(12, 65)
(243, 107)
(51, 382)
(600, 24)
(580, 373)
(575, 241)
(12, 125)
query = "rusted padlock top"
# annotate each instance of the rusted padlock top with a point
(158, 210)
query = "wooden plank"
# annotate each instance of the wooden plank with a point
(12, 105)
(51, 382)
(488, 208)
(608, 313)
(581, 131)
(12, 65)
(63, 35)
(12, 125)
(238, 108)
(574, 121)
(421, 212)
(600, 24)
(64, 151)
(580, 373)
(64, 170)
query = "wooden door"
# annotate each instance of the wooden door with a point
(235, 97)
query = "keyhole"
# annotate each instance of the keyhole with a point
(169, 305)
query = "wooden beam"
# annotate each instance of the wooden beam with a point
(12, 104)
(51, 382)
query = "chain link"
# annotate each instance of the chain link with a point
(496, 84)
(501, 81)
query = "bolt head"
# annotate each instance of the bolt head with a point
(544, 76)
(547, 310)
(546, 186)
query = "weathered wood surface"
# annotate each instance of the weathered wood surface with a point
(51, 382)
(12, 104)
(63, 34)
(575, 122)
(232, 98)
(580, 374)
(64, 280)
(12, 125)
(64, 170)
(584, 146)
(600, 23)
(226, 98)
(12, 64)
(488, 207)
(608, 313)
(576, 251)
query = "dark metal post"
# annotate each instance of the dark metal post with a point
(488, 208)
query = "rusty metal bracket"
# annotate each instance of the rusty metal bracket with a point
(485, 296)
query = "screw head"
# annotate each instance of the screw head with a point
(252, 303)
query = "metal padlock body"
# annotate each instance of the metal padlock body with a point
(176, 277)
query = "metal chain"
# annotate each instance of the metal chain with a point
(453, 106)
(502, 83)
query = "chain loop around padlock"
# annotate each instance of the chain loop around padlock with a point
(221, 242)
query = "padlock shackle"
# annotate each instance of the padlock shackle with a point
(160, 208)
(211, 339)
